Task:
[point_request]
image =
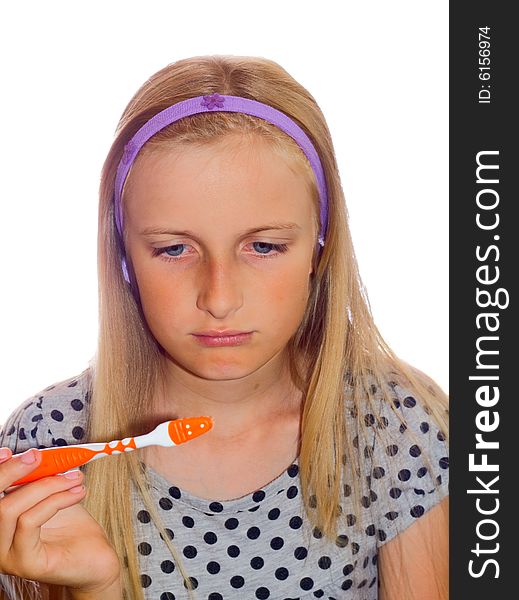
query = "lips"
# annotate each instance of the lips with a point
(233, 339)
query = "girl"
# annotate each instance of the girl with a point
(228, 287)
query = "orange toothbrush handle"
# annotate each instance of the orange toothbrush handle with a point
(58, 460)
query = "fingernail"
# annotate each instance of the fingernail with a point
(28, 457)
(73, 474)
(77, 489)
(4, 453)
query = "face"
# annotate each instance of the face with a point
(188, 216)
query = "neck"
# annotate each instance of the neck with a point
(240, 408)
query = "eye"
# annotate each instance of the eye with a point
(174, 252)
(280, 248)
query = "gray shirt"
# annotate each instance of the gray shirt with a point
(260, 545)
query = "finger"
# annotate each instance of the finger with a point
(26, 542)
(24, 497)
(17, 467)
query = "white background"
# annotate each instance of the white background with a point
(379, 71)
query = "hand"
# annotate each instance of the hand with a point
(47, 535)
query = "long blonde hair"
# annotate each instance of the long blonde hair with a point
(337, 339)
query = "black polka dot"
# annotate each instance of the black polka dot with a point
(372, 496)
(215, 507)
(188, 522)
(444, 462)
(324, 562)
(210, 537)
(293, 470)
(300, 553)
(419, 492)
(78, 432)
(392, 450)
(341, 541)
(317, 533)
(369, 420)
(318, 593)
(191, 582)
(381, 535)
(144, 548)
(143, 516)
(237, 581)
(258, 495)
(277, 543)
(402, 428)
(421, 471)
(378, 472)
(362, 583)
(281, 573)
(170, 534)
(396, 403)
(292, 492)
(415, 451)
(233, 551)
(382, 423)
(354, 547)
(441, 436)
(166, 566)
(365, 501)
(165, 504)
(369, 451)
(391, 515)
(417, 511)
(215, 596)
(253, 533)
(404, 474)
(351, 519)
(59, 442)
(213, 567)
(370, 530)
(409, 402)
(365, 563)
(145, 580)
(439, 479)
(306, 583)
(174, 492)
(346, 585)
(262, 593)
(167, 596)
(257, 562)
(347, 569)
(57, 415)
(346, 490)
(395, 493)
(190, 552)
(295, 522)
(77, 404)
(274, 514)
(424, 427)
(254, 508)
(231, 523)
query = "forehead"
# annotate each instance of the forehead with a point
(239, 177)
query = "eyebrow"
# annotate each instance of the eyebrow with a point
(267, 227)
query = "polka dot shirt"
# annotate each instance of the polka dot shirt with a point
(261, 546)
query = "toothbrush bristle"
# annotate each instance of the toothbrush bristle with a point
(183, 430)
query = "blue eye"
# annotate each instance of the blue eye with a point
(172, 252)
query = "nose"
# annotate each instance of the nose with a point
(221, 288)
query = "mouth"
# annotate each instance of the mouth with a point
(234, 339)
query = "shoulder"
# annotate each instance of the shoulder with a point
(406, 459)
(54, 416)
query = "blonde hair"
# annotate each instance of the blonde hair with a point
(337, 340)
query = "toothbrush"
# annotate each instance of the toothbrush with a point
(65, 458)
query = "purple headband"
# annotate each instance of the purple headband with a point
(217, 102)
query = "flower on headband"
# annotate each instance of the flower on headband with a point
(128, 151)
(213, 101)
